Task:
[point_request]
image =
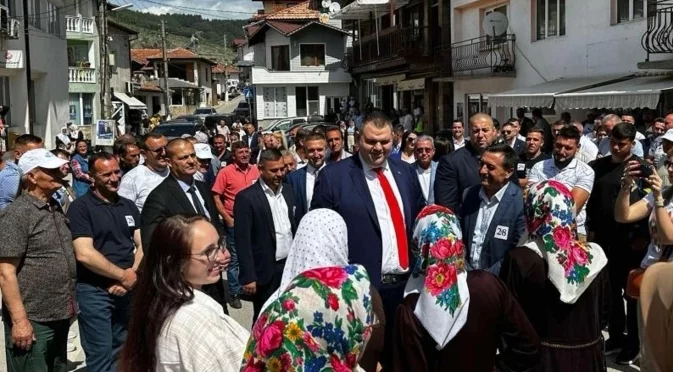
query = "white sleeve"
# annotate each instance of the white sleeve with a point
(536, 173)
(585, 177)
(591, 150)
(127, 188)
(638, 150)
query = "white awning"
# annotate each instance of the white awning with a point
(639, 92)
(132, 102)
(360, 9)
(413, 84)
(390, 79)
(542, 95)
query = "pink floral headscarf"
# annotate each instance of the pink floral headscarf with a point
(439, 275)
(321, 322)
(573, 265)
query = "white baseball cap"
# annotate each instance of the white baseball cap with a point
(668, 136)
(203, 151)
(39, 158)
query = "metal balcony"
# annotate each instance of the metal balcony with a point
(484, 55)
(658, 38)
(392, 44)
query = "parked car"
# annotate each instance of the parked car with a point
(243, 109)
(190, 118)
(285, 124)
(176, 129)
(232, 86)
(204, 111)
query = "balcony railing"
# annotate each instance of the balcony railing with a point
(484, 55)
(392, 43)
(659, 35)
(81, 75)
(79, 24)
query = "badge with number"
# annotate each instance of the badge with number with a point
(501, 232)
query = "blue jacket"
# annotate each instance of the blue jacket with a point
(503, 233)
(343, 188)
(297, 181)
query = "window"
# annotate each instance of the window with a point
(53, 19)
(113, 62)
(312, 54)
(280, 58)
(550, 18)
(176, 97)
(308, 101)
(275, 102)
(628, 10)
(81, 108)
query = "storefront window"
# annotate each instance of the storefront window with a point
(81, 108)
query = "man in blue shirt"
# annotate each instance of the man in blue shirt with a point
(10, 174)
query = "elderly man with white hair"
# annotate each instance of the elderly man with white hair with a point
(425, 167)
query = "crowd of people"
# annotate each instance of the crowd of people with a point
(366, 245)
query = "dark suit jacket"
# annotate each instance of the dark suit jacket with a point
(255, 234)
(254, 146)
(519, 146)
(509, 214)
(343, 188)
(167, 200)
(297, 180)
(455, 173)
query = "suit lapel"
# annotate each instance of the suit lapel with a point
(288, 195)
(302, 188)
(266, 210)
(180, 195)
(403, 188)
(499, 212)
(358, 177)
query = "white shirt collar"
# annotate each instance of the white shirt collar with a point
(183, 185)
(367, 168)
(498, 195)
(267, 189)
(311, 169)
(571, 165)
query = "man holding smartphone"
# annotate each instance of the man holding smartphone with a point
(624, 244)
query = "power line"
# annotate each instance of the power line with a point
(198, 10)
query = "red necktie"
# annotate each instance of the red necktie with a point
(398, 220)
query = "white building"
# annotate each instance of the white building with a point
(297, 64)
(49, 64)
(564, 45)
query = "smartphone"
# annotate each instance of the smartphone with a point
(645, 171)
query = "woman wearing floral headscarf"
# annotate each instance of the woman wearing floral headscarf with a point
(322, 321)
(553, 276)
(440, 326)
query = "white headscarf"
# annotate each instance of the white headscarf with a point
(74, 132)
(321, 241)
(63, 137)
(439, 275)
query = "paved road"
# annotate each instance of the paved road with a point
(227, 107)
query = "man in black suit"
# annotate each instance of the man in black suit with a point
(181, 193)
(510, 137)
(264, 229)
(251, 138)
(460, 169)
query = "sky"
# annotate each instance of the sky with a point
(235, 9)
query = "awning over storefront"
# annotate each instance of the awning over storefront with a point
(360, 9)
(390, 79)
(543, 95)
(412, 84)
(641, 92)
(132, 102)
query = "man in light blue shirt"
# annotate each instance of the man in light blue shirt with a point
(609, 122)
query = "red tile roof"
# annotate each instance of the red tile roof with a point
(221, 69)
(140, 55)
(177, 53)
(238, 42)
(300, 11)
(285, 27)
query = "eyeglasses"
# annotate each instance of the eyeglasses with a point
(423, 149)
(212, 251)
(411, 139)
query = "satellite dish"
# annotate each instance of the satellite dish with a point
(495, 24)
(334, 8)
(326, 3)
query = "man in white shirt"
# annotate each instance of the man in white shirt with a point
(609, 122)
(458, 131)
(565, 168)
(139, 182)
(425, 167)
(335, 140)
(588, 150)
(263, 241)
(303, 180)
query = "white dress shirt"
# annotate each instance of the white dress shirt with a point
(200, 337)
(458, 144)
(281, 220)
(487, 210)
(185, 188)
(424, 179)
(588, 151)
(139, 182)
(576, 174)
(390, 260)
(311, 175)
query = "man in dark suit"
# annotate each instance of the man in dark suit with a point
(251, 138)
(510, 137)
(460, 169)
(264, 229)
(492, 215)
(379, 199)
(303, 179)
(181, 193)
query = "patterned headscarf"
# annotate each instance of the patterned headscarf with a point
(321, 240)
(439, 274)
(321, 322)
(551, 234)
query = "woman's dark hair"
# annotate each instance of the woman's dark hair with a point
(443, 146)
(80, 141)
(160, 291)
(406, 135)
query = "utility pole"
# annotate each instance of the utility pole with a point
(167, 94)
(226, 77)
(29, 73)
(103, 77)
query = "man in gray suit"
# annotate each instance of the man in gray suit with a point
(425, 167)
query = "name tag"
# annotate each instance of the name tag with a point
(501, 232)
(521, 166)
(130, 221)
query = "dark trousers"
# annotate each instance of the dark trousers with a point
(48, 353)
(232, 270)
(265, 291)
(103, 324)
(392, 296)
